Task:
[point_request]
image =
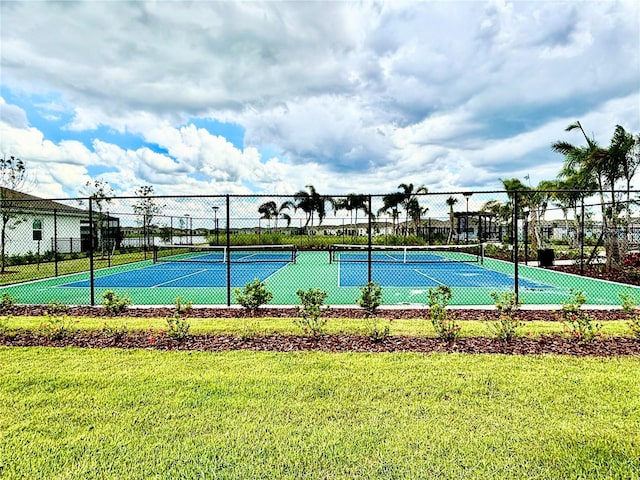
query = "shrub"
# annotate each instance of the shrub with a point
(177, 327)
(443, 322)
(629, 301)
(182, 308)
(113, 303)
(506, 327)
(578, 324)
(370, 298)
(253, 296)
(311, 321)
(117, 333)
(57, 327)
(376, 329)
(6, 302)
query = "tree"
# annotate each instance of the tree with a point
(13, 180)
(310, 203)
(572, 188)
(416, 211)
(147, 208)
(268, 210)
(409, 201)
(605, 166)
(390, 204)
(625, 150)
(352, 203)
(99, 193)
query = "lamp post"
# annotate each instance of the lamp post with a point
(467, 195)
(189, 239)
(215, 221)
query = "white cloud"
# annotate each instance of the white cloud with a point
(351, 96)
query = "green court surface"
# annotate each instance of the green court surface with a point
(146, 283)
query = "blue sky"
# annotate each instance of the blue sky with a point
(267, 97)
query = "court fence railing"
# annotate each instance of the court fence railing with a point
(45, 239)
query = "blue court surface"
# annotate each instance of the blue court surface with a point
(429, 275)
(187, 274)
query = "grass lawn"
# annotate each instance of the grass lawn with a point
(286, 326)
(133, 414)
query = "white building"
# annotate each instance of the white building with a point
(36, 225)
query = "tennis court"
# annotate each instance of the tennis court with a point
(208, 277)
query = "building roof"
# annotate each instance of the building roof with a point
(24, 201)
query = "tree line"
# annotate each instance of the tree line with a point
(588, 169)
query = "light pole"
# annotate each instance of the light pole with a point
(215, 221)
(189, 239)
(467, 195)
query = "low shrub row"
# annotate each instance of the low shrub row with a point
(578, 323)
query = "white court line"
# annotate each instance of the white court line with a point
(427, 276)
(180, 278)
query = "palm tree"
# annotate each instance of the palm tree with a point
(280, 213)
(310, 203)
(268, 210)
(409, 196)
(415, 212)
(352, 203)
(573, 187)
(604, 165)
(625, 151)
(390, 204)
(451, 201)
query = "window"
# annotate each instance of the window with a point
(37, 229)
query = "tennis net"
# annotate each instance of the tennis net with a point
(223, 254)
(407, 254)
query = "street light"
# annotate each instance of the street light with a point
(467, 195)
(215, 221)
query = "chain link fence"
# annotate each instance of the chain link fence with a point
(203, 248)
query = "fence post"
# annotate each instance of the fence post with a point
(91, 277)
(228, 254)
(369, 244)
(55, 240)
(582, 237)
(515, 245)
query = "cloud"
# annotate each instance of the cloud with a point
(343, 95)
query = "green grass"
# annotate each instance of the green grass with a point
(30, 272)
(286, 326)
(132, 414)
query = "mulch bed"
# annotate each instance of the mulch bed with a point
(289, 312)
(554, 344)
(629, 276)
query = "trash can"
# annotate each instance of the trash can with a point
(546, 257)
